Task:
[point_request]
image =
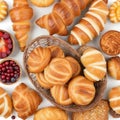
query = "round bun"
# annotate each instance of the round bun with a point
(81, 90)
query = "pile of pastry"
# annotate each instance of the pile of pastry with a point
(63, 74)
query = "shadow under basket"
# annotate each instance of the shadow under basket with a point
(44, 41)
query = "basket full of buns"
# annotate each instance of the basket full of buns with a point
(71, 80)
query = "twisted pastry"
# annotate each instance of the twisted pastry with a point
(95, 64)
(62, 15)
(3, 9)
(91, 25)
(25, 100)
(63, 97)
(114, 12)
(5, 104)
(20, 15)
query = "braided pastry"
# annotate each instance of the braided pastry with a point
(3, 10)
(62, 15)
(5, 104)
(61, 98)
(91, 25)
(114, 12)
(25, 100)
(94, 63)
(20, 15)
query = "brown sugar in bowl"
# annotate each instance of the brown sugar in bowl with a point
(45, 41)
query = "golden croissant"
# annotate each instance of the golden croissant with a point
(25, 100)
(91, 25)
(5, 104)
(63, 14)
(3, 9)
(20, 15)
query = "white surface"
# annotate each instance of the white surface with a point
(36, 31)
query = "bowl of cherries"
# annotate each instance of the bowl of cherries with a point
(6, 44)
(10, 71)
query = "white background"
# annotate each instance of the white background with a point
(37, 31)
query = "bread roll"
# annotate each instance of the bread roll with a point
(81, 90)
(38, 59)
(58, 72)
(63, 97)
(50, 113)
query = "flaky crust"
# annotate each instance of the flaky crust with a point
(81, 90)
(5, 103)
(38, 59)
(114, 67)
(50, 113)
(25, 100)
(100, 112)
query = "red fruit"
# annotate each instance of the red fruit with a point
(4, 49)
(9, 46)
(4, 54)
(1, 34)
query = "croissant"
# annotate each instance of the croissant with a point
(20, 15)
(42, 3)
(94, 63)
(25, 100)
(62, 15)
(3, 9)
(91, 25)
(5, 104)
(63, 97)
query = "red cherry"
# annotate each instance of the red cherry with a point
(3, 76)
(6, 35)
(9, 46)
(4, 54)
(8, 41)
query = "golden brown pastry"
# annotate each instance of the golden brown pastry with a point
(60, 95)
(42, 81)
(21, 15)
(110, 42)
(75, 65)
(25, 100)
(50, 113)
(6, 106)
(114, 12)
(94, 63)
(58, 72)
(3, 9)
(100, 112)
(114, 67)
(62, 15)
(38, 59)
(56, 51)
(42, 3)
(91, 25)
(81, 90)
(114, 99)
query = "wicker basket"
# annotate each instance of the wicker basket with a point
(45, 41)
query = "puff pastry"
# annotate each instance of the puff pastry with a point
(56, 51)
(25, 100)
(94, 63)
(63, 97)
(114, 99)
(3, 9)
(75, 65)
(6, 106)
(81, 90)
(38, 59)
(50, 113)
(58, 72)
(114, 12)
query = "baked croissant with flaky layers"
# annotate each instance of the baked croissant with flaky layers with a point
(3, 10)
(63, 14)
(20, 15)
(63, 96)
(25, 100)
(91, 25)
(6, 106)
(94, 63)
(58, 72)
(51, 113)
(38, 59)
